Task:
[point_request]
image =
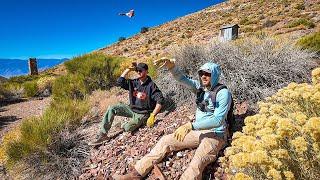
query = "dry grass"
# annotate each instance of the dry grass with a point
(252, 68)
(103, 99)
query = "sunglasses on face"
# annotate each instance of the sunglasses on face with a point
(203, 73)
(139, 71)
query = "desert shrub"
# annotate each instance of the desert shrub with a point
(23, 78)
(152, 69)
(38, 132)
(144, 30)
(269, 23)
(45, 84)
(311, 42)
(121, 39)
(247, 29)
(69, 87)
(25, 86)
(251, 68)
(282, 140)
(13, 89)
(97, 70)
(30, 88)
(309, 24)
(300, 6)
(3, 92)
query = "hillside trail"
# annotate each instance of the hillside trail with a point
(118, 155)
(12, 113)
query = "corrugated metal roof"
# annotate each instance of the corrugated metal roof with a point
(229, 26)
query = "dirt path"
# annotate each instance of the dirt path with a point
(12, 113)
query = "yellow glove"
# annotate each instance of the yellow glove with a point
(132, 68)
(182, 131)
(151, 120)
(169, 63)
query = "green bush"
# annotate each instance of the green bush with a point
(309, 24)
(71, 86)
(98, 70)
(38, 132)
(311, 42)
(300, 6)
(121, 39)
(30, 88)
(22, 79)
(3, 91)
(152, 69)
(269, 23)
(25, 85)
(144, 30)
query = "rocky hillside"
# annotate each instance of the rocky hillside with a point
(2, 79)
(275, 17)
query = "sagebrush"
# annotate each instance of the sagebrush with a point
(252, 68)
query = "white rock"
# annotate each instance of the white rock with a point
(179, 154)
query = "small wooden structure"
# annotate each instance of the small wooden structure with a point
(33, 68)
(228, 32)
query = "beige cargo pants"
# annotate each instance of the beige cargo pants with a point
(207, 143)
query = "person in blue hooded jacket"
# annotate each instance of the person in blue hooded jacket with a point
(208, 133)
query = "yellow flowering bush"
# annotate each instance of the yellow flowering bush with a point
(282, 140)
(45, 83)
(9, 137)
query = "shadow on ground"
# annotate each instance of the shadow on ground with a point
(6, 120)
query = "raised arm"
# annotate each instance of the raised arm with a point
(122, 81)
(191, 84)
(220, 113)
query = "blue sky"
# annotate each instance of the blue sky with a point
(67, 28)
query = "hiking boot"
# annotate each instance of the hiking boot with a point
(103, 137)
(134, 175)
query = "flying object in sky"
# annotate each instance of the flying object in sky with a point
(130, 14)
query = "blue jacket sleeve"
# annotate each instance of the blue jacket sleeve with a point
(193, 85)
(220, 113)
(123, 83)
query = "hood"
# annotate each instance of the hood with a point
(215, 71)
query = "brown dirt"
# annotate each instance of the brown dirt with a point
(11, 113)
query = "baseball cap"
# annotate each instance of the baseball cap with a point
(142, 66)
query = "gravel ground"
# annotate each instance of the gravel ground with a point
(11, 113)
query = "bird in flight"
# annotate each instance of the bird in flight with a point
(130, 14)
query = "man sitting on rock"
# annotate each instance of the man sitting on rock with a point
(145, 102)
(208, 133)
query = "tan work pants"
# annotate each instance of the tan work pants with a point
(208, 147)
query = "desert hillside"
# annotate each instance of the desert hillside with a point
(275, 85)
(286, 17)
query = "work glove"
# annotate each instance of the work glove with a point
(164, 61)
(151, 120)
(182, 131)
(132, 68)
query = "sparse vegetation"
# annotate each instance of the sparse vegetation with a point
(30, 88)
(311, 42)
(121, 39)
(27, 85)
(307, 23)
(97, 70)
(253, 68)
(282, 140)
(300, 6)
(269, 23)
(37, 135)
(144, 30)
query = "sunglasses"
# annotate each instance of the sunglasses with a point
(139, 71)
(203, 73)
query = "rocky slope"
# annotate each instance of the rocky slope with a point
(254, 17)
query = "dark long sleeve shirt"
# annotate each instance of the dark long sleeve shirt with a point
(143, 97)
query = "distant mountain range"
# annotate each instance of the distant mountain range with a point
(16, 67)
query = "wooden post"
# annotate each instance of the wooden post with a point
(33, 68)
